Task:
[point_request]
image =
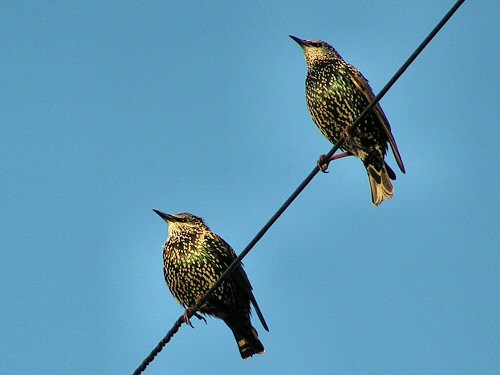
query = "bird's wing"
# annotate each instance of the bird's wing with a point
(362, 85)
(241, 278)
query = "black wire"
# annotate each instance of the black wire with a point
(160, 346)
(297, 191)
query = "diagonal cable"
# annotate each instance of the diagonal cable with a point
(192, 310)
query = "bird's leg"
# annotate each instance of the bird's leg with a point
(188, 321)
(198, 302)
(189, 311)
(340, 156)
(323, 161)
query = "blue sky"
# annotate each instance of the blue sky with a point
(111, 109)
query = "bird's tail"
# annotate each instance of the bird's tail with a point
(380, 183)
(246, 338)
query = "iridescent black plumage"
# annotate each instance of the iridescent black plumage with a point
(193, 259)
(336, 94)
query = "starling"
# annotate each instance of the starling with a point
(194, 257)
(336, 94)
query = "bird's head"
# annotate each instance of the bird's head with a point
(316, 50)
(182, 222)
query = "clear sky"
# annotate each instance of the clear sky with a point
(111, 109)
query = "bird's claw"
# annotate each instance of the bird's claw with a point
(188, 321)
(189, 311)
(200, 317)
(186, 318)
(323, 163)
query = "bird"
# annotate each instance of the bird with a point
(194, 257)
(336, 94)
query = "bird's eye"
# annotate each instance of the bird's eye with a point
(316, 44)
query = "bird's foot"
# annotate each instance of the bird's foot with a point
(186, 318)
(200, 317)
(198, 303)
(323, 161)
(189, 311)
(188, 321)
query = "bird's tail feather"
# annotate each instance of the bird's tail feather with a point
(380, 184)
(247, 339)
(259, 313)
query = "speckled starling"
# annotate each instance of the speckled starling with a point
(336, 94)
(194, 257)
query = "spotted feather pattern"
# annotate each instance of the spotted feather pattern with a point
(194, 258)
(336, 94)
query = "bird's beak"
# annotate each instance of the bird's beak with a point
(300, 42)
(165, 216)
